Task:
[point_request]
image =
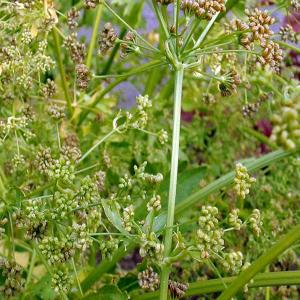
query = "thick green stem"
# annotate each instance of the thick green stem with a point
(94, 36)
(62, 69)
(173, 180)
(217, 285)
(272, 253)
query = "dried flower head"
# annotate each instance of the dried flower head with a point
(287, 33)
(107, 38)
(49, 89)
(83, 76)
(295, 4)
(76, 49)
(259, 24)
(90, 4)
(165, 2)
(72, 17)
(56, 112)
(272, 55)
(177, 289)
(149, 280)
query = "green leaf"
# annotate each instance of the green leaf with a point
(108, 292)
(188, 182)
(128, 283)
(113, 216)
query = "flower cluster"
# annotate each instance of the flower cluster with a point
(203, 8)
(107, 39)
(60, 280)
(234, 220)
(259, 23)
(295, 4)
(149, 280)
(287, 33)
(242, 181)
(233, 262)
(255, 222)
(286, 130)
(151, 246)
(13, 281)
(210, 236)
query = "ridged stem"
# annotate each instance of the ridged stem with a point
(173, 181)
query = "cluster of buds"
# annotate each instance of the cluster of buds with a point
(128, 218)
(203, 8)
(79, 236)
(177, 289)
(210, 236)
(234, 220)
(60, 280)
(149, 280)
(286, 123)
(15, 123)
(154, 204)
(90, 4)
(259, 24)
(295, 4)
(2, 229)
(143, 103)
(163, 136)
(32, 218)
(70, 152)
(55, 250)
(63, 204)
(233, 262)
(76, 49)
(56, 112)
(151, 246)
(151, 178)
(100, 180)
(271, 56)
(44, 160)
(165, 2)
(72, 17)
(62, 169)
(250, 109)
(107, 39)
(287, 33)
(255, 222)
(88, 192)
(49, 89)
(242, 181)
(13, 281)
(83, 76)
(236, 25)
(107, 247)
(18, 161)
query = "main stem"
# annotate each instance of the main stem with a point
(173, 181)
